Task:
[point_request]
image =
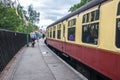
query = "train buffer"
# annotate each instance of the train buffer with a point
(39, 63)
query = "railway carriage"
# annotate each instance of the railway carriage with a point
(91, 36)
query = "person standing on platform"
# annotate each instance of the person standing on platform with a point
(37, 36)
(33, 37)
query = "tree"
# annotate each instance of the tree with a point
(8, 18)
(33, 14)
(13, 18)
(76, 6)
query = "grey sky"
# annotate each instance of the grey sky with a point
(50, 10)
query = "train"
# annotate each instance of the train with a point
(91, 36)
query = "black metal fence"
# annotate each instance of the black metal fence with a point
(10, 44)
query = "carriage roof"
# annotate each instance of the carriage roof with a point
(81, 9)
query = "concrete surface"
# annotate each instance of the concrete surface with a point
(40, 63)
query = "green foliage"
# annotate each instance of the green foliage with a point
(76, 6)
(8, 18)
(33, 15)
(12, 19)
(32, 27)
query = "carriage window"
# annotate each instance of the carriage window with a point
(118, 11)
(59, 34)
(118, 33)
(71, 22)
(97, 14)
(71, 30)
(71, 34)
(87, 17)
(83, 20)
(90, 33)
(59, 31)
(51, 33)
(54, 32)
(92, 16)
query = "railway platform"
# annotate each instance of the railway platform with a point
(40, 63)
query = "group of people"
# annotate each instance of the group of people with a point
(34, 35)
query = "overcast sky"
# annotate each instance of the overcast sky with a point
(50, 10)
